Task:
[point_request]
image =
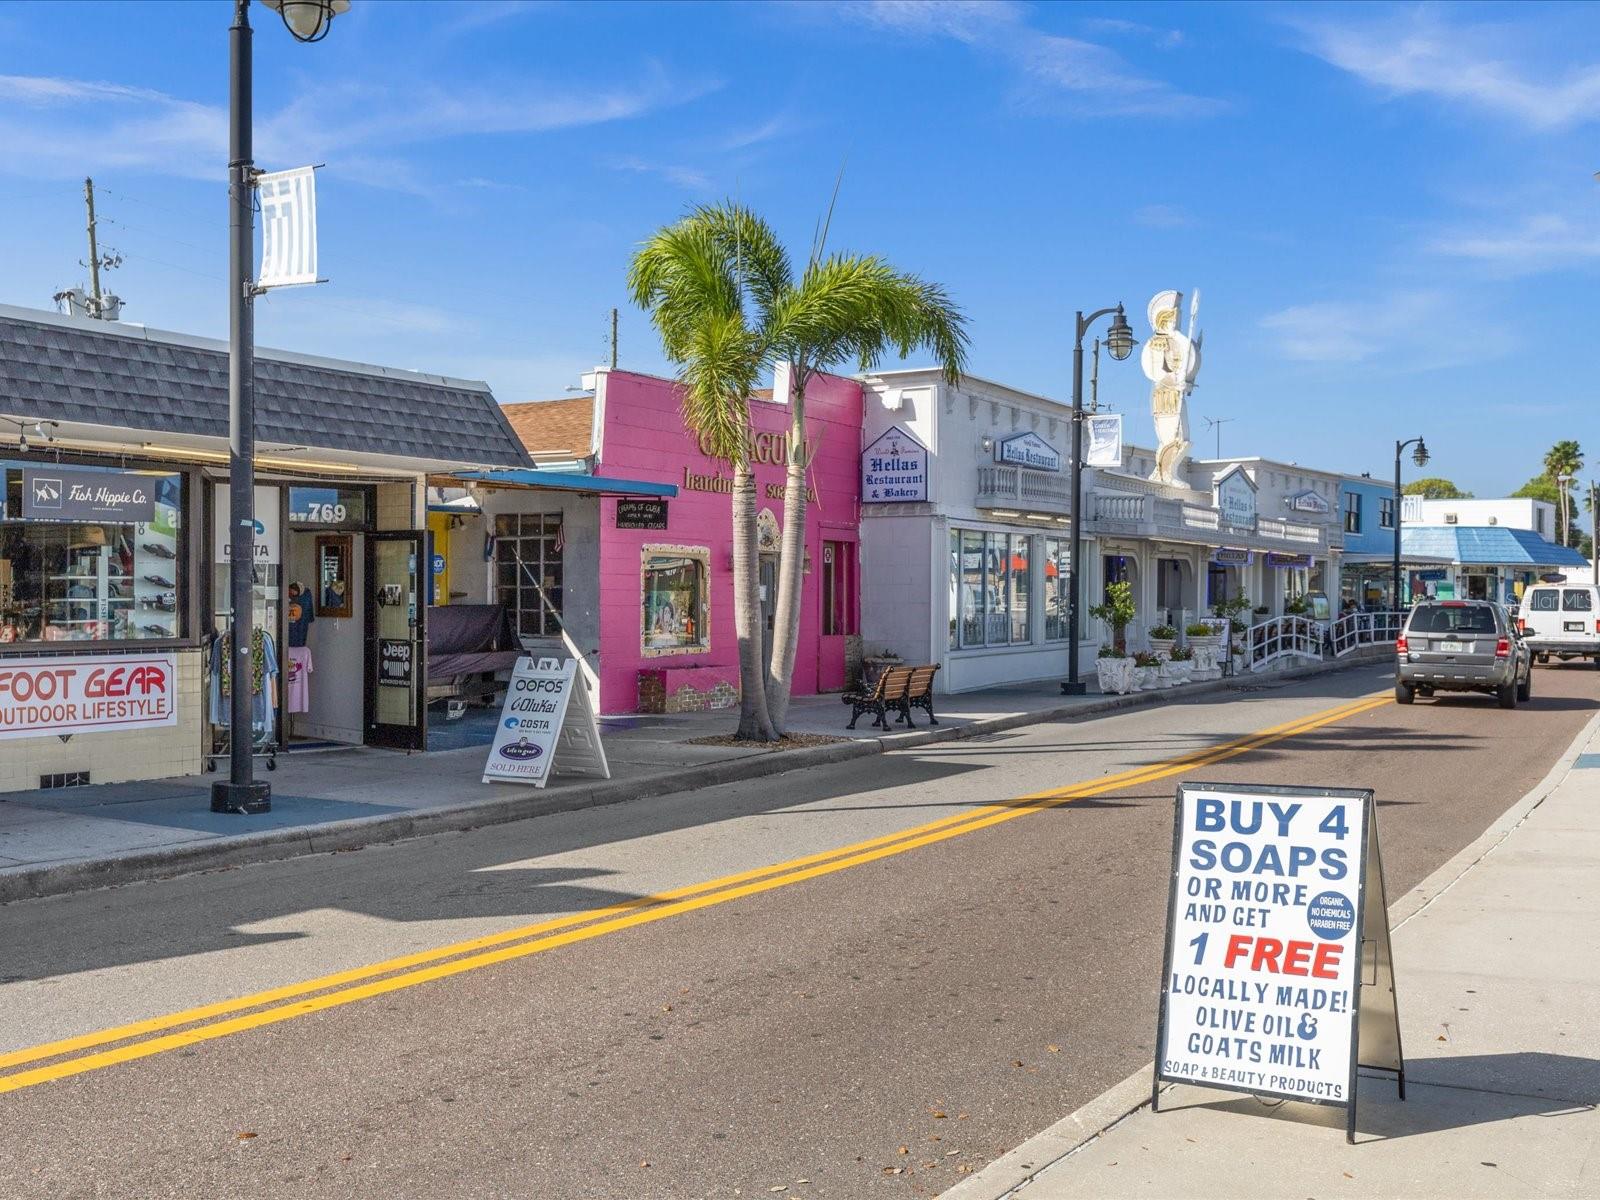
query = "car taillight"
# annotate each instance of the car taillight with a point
(1400, 646)
(1522, 626)
(1502, 648)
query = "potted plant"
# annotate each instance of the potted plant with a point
(1148, 669)
(1298, 606)
(1206, 643)
(1162, 639)
(1115, 670)
(1179, 666)
(1117, 611)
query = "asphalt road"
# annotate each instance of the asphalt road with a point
(971, 971)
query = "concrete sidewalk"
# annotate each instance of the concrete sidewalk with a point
(324, 800)
(1498, 971)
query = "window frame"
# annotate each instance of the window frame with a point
(549, 625)
(701, 557)
(1352, 512)
(1386, 510)
(995, 610)
(188, 543)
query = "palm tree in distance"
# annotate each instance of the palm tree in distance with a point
(843, 309)
(1564, 458)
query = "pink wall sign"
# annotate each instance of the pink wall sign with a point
(666, 595)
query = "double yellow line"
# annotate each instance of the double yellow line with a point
(142, 1039)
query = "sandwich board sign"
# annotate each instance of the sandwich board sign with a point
(1277, 977)
(546, 713)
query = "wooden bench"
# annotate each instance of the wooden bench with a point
(898, 688)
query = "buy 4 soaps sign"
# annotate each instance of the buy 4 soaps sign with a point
(1277, 918)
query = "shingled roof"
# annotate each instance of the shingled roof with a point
(127, 376)
(554, 426)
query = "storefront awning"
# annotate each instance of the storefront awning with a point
(561, 481)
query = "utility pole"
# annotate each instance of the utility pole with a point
(94, 250)
(613, 339)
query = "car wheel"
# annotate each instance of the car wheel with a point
(1525, 688)
(1507, 695)
(1404, 693)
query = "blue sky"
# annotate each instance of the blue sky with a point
(1390, 210)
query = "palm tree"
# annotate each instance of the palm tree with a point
(695, 294)
(1564, 458)
(844, 309)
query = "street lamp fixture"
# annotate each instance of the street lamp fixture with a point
(1420, 457)
(308, 20)
(1120, 342)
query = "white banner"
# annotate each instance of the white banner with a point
(87, 694)
(1103, 433)
(547, 707)
(1262, 983)
(288, 227)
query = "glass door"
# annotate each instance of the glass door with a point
(396, 642)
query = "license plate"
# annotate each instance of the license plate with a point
(1573, 626)
(1450, 647)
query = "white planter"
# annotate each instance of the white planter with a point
(1149, 678)
(1176, 671)
(1162, 647)
(1116, 675)
(1207, 656)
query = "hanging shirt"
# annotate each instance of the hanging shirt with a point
(298, 680)
(300, 614)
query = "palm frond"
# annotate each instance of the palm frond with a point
(761, 263)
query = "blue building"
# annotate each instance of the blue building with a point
(1366, 515)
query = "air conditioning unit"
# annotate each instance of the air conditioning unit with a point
(1450, 518)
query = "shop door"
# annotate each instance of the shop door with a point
(769, 604)
(838, 614)
(396, 642)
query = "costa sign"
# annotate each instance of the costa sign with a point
(87, 694)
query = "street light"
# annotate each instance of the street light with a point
(1120, 343)
(1420, 457)
(308, 21)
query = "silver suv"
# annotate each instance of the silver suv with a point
(1462, 646)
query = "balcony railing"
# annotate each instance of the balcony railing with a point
(1013, 487)
(1161, 516)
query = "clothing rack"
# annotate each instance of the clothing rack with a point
(263, 744)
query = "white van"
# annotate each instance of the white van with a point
(1562, 619)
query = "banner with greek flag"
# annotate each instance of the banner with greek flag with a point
(288, 227)
(1103, 432)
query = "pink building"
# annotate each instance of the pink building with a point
(666, 632)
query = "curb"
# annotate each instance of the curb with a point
(73, 875)
(1013, 1170)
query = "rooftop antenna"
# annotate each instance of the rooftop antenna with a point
(1217, 423)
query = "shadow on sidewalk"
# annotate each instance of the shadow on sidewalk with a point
(1441, 1094)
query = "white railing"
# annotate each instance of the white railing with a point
(1289, 531)
(1283, 637)
(1032, 489)
(1119, 508)
(1365, 629)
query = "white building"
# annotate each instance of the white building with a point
(967, 565)
(1512, 512)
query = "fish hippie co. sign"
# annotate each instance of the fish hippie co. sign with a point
(894, 468)
(58, 494)
(1277, 975)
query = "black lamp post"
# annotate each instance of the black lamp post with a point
(308, 21)
(1420, 457)
(1119, 341)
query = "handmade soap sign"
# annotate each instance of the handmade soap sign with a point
(1277, 978)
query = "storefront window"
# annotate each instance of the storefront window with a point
(990, 580)
(528, 549)
(91, 554)
(673, 605)
(1021, 580)
(1057, 584)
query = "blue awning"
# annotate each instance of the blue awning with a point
(562, 481)
(1486, 545)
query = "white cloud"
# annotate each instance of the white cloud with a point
(66, 131)
(1088, 77)
(1163, 216)
(688, 178)
(1166, 38)
(1537, 243)
(1419, 53)
(1416, 330)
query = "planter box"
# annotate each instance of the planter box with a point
(1116, 675)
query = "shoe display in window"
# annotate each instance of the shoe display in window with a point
(157, 549)
(159, 581)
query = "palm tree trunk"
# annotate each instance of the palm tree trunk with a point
(755, 723)
(791, 562)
